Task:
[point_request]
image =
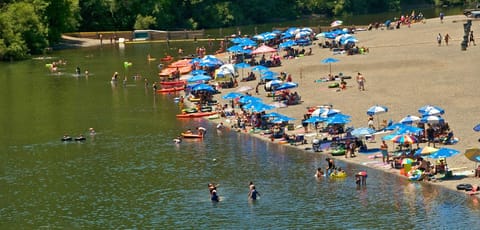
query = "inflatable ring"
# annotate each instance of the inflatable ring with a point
(338, 175)
(334, 85)
(468, 187)
(464, 186)
(338, 152)
(67, 139)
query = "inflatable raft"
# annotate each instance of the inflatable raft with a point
(191, 135)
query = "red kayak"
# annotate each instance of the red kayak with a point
(194, 115)
(169, 90)
(166, 58)
(191, 135)
(173, 83)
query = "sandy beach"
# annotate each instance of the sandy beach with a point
(405, 69)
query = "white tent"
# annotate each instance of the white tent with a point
(226, 72)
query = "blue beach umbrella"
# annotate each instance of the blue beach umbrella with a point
(315, 119)
(430, 110)
(287, 44)
(395, 126)
(273, 114)
(287, 85)
(248, 99)
(203, 87)
(257, 106)
(269, 75)
(242, 65)
(260, 68)
(282, 119)
(408, 129)
(232, 95)
(338, 119)
(329, 61)
(199, 77)
(432, 119)
(363, 131)
(444, 153)
(409, 119)
(377, 109)
(198, 71)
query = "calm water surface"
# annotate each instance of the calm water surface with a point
(131, 175)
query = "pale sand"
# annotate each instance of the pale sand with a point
(404, 70)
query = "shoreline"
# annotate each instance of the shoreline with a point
(407, 59)
(309, 68)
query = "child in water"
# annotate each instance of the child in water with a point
(319, 172)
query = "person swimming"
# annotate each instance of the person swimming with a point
(178, 140)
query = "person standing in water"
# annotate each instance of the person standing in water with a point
(213, 193)
(252, 195)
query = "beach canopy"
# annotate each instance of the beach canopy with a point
(264, 49)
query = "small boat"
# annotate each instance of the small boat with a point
(169, 90)
(194, 115)
(173, 83)
(166, 58)
(191, 135)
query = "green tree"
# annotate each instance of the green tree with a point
(144, 22)
(21, 31)
(61, 16)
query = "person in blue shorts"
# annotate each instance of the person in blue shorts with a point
(384, 150)
(252, 195)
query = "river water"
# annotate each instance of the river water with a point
(130, 175)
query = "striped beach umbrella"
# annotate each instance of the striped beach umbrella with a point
(430, 110)
(432, 119)
(404, 139)
(410, 119)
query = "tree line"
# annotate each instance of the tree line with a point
(29, 26)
